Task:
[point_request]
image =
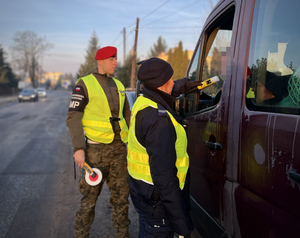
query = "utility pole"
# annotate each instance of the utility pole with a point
(134, 55)
(124, 45)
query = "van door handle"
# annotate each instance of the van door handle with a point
(294, 175)
(214, 145)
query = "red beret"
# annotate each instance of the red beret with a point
(106, 52)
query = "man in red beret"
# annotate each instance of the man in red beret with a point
(98, 120)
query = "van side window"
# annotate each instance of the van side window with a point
(216, 59)
(274, 61)
(191, 98)
(194, 67)
(216, 55)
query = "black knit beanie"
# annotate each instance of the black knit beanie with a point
(155, 72)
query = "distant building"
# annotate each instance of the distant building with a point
(53, 77)
(165, 57)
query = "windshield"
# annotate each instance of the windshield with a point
(274, 61)
(27, 90)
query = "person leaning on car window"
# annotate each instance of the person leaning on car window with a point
(158, 162)
(270, 88)
(98, 120)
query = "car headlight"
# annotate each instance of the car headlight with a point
(32, 95)
(20, 96)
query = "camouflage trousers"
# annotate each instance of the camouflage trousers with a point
(112, 162)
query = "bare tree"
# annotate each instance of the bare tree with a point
(27, 50)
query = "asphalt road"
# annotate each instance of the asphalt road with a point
(38, 193)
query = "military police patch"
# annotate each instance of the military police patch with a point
(78, 100)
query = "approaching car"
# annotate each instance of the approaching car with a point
(42, 92)
(28, 94)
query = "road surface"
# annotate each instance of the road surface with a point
(38, 192)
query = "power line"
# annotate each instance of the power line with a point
(171, 13)
(151, 12)
(176, 32)
(155, 10)
(117, 38)
(174, 27)
(164, 16)
(147, 15)
(128, 34)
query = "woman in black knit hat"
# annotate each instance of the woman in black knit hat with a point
(158, 162)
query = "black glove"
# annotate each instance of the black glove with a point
(187, 236)
(193, 84)
(182, 86)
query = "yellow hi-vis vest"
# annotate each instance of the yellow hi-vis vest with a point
(137, 157)
(96, 117)
(250, 94)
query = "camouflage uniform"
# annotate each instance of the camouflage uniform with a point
(111, 160)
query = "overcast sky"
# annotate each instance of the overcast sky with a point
(69, 25)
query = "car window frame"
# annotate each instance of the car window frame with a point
(202, 45)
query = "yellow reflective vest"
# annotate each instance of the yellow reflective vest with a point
(96, 117)
(250, 94)
(137, 157)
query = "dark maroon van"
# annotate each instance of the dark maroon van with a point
(244, 131)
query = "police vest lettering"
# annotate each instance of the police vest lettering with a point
(97, 123)
(137, 157)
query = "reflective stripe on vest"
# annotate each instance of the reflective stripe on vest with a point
(96, 122)
(137, 157)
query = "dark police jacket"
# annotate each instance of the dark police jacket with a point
(164, 200)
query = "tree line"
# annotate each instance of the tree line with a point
(177, 57)
(7, 76)
(28, 50)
